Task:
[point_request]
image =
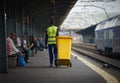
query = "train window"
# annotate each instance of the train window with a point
(96, 35)
(106, 35)
(111, 33)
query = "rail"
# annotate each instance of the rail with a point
(89, 50)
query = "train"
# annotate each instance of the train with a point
(107, 36)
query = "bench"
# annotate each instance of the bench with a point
(12, 61)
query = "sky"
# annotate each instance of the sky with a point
(89, 12)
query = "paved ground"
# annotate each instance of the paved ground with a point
(38, 71)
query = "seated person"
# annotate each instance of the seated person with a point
(11, 48)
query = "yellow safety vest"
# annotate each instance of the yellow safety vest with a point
(51, 32)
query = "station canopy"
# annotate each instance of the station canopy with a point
(86, 13)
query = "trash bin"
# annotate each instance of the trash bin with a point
(64, 44)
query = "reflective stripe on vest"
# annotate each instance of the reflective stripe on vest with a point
(51, 32)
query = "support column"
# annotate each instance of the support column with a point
(3, 56)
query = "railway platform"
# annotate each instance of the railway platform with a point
(38, 71)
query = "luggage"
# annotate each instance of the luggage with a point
(21, 61)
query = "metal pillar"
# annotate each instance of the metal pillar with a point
(18, 19)
(3, 56)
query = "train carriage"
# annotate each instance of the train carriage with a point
(107, 36)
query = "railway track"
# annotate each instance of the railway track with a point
(90, 51)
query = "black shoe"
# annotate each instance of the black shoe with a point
(55, 62)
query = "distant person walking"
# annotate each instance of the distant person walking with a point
(50, 42)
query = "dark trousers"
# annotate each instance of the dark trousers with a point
(52, 52)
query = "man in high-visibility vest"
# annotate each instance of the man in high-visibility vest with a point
(50, 42)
